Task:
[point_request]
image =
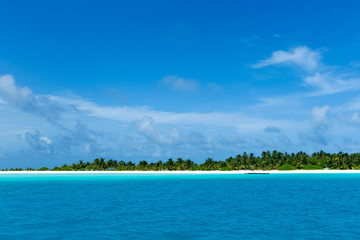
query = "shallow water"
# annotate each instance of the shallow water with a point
(177, 206)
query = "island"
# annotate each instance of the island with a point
(267, 161)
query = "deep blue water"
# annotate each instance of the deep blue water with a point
(275, 206)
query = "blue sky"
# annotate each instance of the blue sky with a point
(134, 80)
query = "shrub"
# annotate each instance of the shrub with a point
(286, 167)
(197, 169)
(43, 169)
(226, 169)
(357, 167)
(65, 168)
(312, 167)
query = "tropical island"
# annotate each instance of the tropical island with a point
(267, 161)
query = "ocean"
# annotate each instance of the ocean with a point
(179, 206)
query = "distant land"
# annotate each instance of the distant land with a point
(267, 161)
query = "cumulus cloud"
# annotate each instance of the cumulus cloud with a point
(144, 133)
(320, 122)
(145, 126)
(47, 107)
(166, 141)
(301, 56)
(24, 99)
(145, 139)
(153, 133)
(138, 146)
(201, 141)
(13, 94)
(180, 84)
(149, 140)
(39, 143)
(320, 114)
(82, 137)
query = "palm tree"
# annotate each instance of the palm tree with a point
(179, 164)
(169, 164)
(99, 164)
(210, 164)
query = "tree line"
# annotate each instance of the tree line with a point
(266, 161)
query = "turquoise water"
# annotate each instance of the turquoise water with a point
(275, 206)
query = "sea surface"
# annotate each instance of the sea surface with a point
(178, 206)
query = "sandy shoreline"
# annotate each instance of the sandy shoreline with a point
(184, 172)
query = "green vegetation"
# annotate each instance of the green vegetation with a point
(312, 167)
(43, 169)
(286, 167)
(226, 169)
(266, 161)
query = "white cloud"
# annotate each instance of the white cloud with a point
(320, 114)
(324, 82)
(151, 139)
(302, 57)
(242, 122)
(82, 136)
(46, 140)
(23, 98)
(316, 135)
(329, 83)
(134, 133)
(13, 94)
(140, 131)
(39, 143)
(145, 126)
(180, 84)
(52, 106)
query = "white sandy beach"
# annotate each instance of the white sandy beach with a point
(185, 172)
